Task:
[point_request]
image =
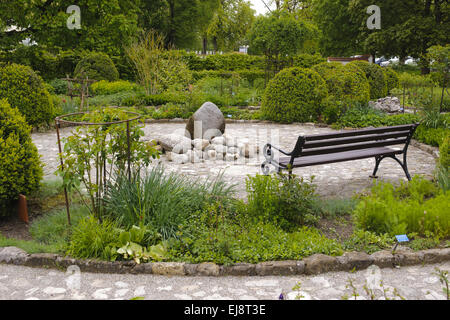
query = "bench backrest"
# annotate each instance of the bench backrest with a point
(354, 140)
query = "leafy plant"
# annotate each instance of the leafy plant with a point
(91, 154)
(287, 201)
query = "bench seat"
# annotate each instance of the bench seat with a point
(339, 157)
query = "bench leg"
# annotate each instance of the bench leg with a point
(402, 164)
(377, 165)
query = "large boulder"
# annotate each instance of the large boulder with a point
(388, 104)
(206, 123)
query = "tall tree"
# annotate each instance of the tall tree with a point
(105, 24)
(408, 27)
(231, 24)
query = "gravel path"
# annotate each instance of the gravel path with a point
(415, 283)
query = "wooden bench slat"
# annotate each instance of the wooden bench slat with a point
(353, 146)
(353, 133)
(338, 157)
(348, 140)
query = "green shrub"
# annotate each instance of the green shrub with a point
(404, 210)
(288, 202)
(26, 91)
(324, 68)
(104, 87)
(375, 76)
(97, 66)
(294, 95)
(362, 116)
(444, 152)
(59, 86)
(305, 60)
(431, 136)
(392, 79)
(20, 166)
(343, 84)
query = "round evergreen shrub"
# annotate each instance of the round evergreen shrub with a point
(294, 95)
(20, 166)
(343, 84)
(392, 79)
(375, 75)
(97, 66)
(325, 68)
(26, 91)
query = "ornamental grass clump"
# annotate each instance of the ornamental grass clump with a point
(163, 201)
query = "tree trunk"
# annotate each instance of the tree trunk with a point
(205, 44)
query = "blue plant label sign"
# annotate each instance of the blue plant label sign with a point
(402, 238)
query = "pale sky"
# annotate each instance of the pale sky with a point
(259, 6)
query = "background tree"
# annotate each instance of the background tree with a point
(408, 27)
(231, 24)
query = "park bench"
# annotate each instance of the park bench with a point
(344, 146)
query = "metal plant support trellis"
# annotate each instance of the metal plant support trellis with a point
(63, 120)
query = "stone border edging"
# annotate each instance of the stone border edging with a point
(313, 265)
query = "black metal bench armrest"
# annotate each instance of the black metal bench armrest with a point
(269, 146)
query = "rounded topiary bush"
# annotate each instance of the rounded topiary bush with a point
(294, 95)
(26, 91)
(97, 66)
(375, 75)
(20, 166)
(392, 79)
(343, 84)
(325, 68)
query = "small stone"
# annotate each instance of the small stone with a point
(13, 255)
(436, 255)
(383, 259)
(175, 143)
(239, 269)
(320, 263)
(180, 158)
(220, 149)
(208, 269)
(278, 268)
(232, 150)
(354, 260)
(211, 154)
(218, 141)
(168, 268)
(231, 157)
(200, 144)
